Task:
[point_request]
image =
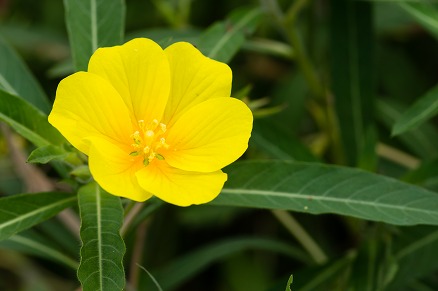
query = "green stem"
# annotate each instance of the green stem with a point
(301, 235)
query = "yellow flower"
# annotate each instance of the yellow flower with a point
(153, 121)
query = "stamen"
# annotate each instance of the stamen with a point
(148, 139)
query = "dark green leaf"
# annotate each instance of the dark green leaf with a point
(421, 141)
(16, 79)
(20, 212)
(422, 110)
(37, 246)
(317, 189)
(415, 246)
(187, 266)
(353, 78)
(102, 248)
(27, 120)
(92, 24)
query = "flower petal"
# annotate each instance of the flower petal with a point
(180, 187)
(195, 78)
(114, 170)
(139, 71)
(87, 105)
(209, 136)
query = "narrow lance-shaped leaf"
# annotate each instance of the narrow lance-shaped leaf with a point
(425, 13)
(317, 189)
(20, 212)
(352, 78)
(92, 24)
(102, 248)
(422, 110)
(16, 79)
(222, 40)
(27, 120)
(184, 268)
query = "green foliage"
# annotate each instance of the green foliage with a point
(423, 109)
(93, 24)
(45, 154)
(317, 188)
(20, 212)
(16, 79)
(102, 246)
(27, 120)
(344, 147)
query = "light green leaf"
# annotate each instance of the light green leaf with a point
(45, 154)
(353, 78)
(20, 212)
(317, 189)
(190, 264)
(422, 110)
(425, 13)
(222, 40)
(289, 282)
(27, 120)
(92, 24)
(102, 248)
(16, 79)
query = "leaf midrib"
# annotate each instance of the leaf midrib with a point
(324, 198)
(35, 212)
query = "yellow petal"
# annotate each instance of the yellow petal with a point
(114, 170)
(87, 105)
(195, 78)
(209, 136)
(139, 71)
(180, 187)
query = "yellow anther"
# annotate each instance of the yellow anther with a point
(148, 139)
(149, 133)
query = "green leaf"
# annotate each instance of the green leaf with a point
(422, 110)
(421, 141)
(20, 212)
(353, 78)
(415, 246)
(102, 248)
(92, 24)
(222, 40)
(45, 154)
(16, 79)
(317, 189)
(187, 266)
(27, 120)
(425, 13)
(38, 246)
(289, 282)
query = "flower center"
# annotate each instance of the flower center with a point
(148, 140)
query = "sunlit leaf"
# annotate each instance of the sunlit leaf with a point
(20, 212)
(27, 120)
(222, 40)
(16, 79)
(425, 13)
(92, 24)
(102, 248)
(317, 189)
